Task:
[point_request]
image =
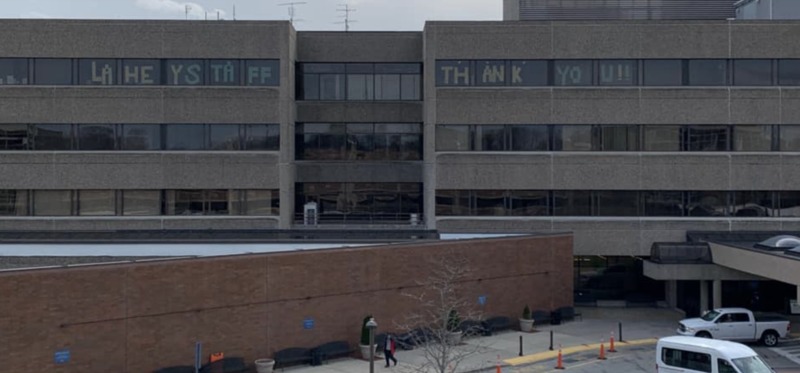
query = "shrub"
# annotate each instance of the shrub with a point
(526, 313)
(453, 321)
(365, 331)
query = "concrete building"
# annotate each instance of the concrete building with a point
(627, 133)
(544, 10)
(767, 9)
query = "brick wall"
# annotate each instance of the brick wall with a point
(143, 316)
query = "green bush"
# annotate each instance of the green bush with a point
(453, 321)
(526, 313)
(365, 331)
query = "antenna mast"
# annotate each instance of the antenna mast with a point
(187, 7)
(291, 8)
(346, 9)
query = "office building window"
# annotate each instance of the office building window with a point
(52, 71)
(790, 138)
(185, 137)
(453, 138)
(752, 138)
(13, 71)
(96, 137)
(452, 202)
(51, 136)
(224, 72)
(618, 138)
(572, 203)
(453, 73)
(360, 82)
(52, 202)
(224, 136)
(789, 72)
(708, 72)
(360, 202)
(185, 202)
(662, 203)
(261, 202)
(663, 72)
(789, 204)
(14, 137)
(662, 138)
(707, 203)
(359, 141)
(13, 202)
(528, 73)
(752, 72)
(96, 203)
(141, 72)
(141, 137)
(185, 72)
(262, 73)
(530, 203)
(706, 138)
(616, 203)
(141, 202)
(490, 203)
(618, 72)
(97, 71)
(530, 138)
(491, 73)
(490, 138)
(572, 72)
(262, 137)
(754, 204)
(572, 138)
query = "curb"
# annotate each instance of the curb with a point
(549, 355)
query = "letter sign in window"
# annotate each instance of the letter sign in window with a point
(491, 73)
(617, 72)
(528, 73)
(13, 71)
(262, 72)
(185, 72)
(453, 73)
(98, 72)
(141, 72)
(573, 72)
(223, 72)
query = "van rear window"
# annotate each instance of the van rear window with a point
(686, 359)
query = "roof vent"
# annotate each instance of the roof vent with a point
(793, 252)
(780, 242)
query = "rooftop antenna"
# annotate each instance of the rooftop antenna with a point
(346, 9)
(234, 12)
(188, 8)
(291, 6)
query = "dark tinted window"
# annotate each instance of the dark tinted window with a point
(184, 202)
(185, 137)
(663, 72)
(387, 86)
(752, 72)
(14, 137)
(452, 202)
(360, 87)
(410, 87)
(97, 71)
(262, 136)
(657, 203)
(224, 136)
(452, 137)
(790, 204)
(141, 202)
(572, 203)
(758, 204)
(706, 203)
(310, 87)
(97, 203)
(489, 138)
(529, 138)
(331, 86)
(223, 72)
(53, 71)
(617, 72)
(13, 202)
(453, 73)
(752, 138)
(790, 138)
(662, 138)
(708, 72)
(490, 73)
(572, 72)
(530, 203)
(96, 137)
(141, 72)
(141, 137)
(52, 202)
(52, 136)
(13, 71)
(528, 73)
(572, 137)
(490, 203)
(185, 72)
(617, 203)
(262, 72)
(619, 138)
(789, 72)
(707, 138)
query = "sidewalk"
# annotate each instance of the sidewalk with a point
(639, 326)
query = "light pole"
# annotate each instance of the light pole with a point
(372, 325)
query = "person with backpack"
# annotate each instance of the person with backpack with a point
(388, 350)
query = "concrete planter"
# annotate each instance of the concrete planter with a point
(365, 351)
(265, 365)
(454, 338)
(526, 325)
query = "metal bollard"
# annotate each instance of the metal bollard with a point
(520, 345)
(551, 340)
(620, 331)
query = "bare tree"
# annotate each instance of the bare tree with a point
(442, 317)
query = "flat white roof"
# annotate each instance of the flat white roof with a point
(161, 249)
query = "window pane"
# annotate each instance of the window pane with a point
(662, 138)
(572, 203)
(708, 72)
(490, 73)
(13, 71)
(52, 202)
(263, 72)
(410, 87)
(96, 203)
(454, 138)
(387, 87)
(224, 136)
(359, 146)
(453, 73)
(410, 198)
(141, 137)
(617, 203)
(490, 138)
(217, 202)
(398, 68)
(52, 136)
(663, 72)
(410, 147)
(752, 138)
(707, 138)
(223, 72)
(331, 87)
(185, 72)
(14, 137)
(573, 138)
(13, 202)
(185, 137)
(490, 202)
(790, 204)
(310, 87)
(52, 71)
(789, 72)
(529, 138)
(141, 72)
(452, 202)
(528, 73)
(261, 202)
(360, 87)
(96, 137)
(707, 203)
(753, 203)
(573, 72)
(529, 203)
(618, 72)
(752, 72)
(184, 202)
(97, 72)
(141, 202)
(662, 203)
(619, 138)
(262, 137)
(790, 138)
(321, 68)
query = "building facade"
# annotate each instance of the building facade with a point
(767, 9)
(626, 133)
(545, 10)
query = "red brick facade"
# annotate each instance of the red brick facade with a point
(143, 316)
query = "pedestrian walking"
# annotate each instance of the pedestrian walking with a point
(388, 350)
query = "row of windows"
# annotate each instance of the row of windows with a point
(630, 72)
(139, 136)
(359, 81)
(617, 203)
(139, 202)
(109, 71)
(360, 201)
(697, 138)
(358, 141)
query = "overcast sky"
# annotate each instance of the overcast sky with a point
(370, 15)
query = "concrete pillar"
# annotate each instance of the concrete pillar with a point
(717, 293)
(671, 293)
(703, 295)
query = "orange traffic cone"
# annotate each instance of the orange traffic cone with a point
(602, 352)
(499, 370)
(611, 344)
(560, 361)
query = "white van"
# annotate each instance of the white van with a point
(693, 354)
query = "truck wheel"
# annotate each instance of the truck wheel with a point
(703, 335)
(770, 338)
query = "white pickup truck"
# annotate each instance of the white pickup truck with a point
(736, 324)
